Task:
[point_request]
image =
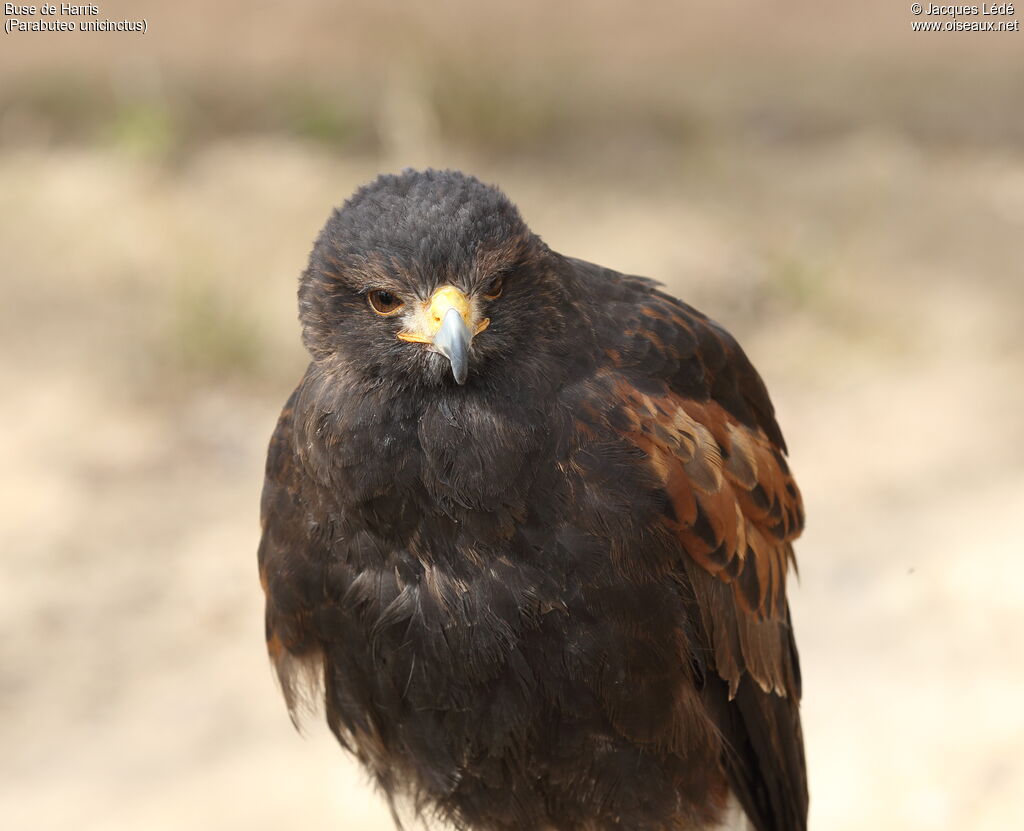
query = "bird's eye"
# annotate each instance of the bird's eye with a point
(384, 302)
(493, 290)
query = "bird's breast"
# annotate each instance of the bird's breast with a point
(479, 456)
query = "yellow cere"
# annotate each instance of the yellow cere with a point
(428, 318)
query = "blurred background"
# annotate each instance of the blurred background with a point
(843, 194)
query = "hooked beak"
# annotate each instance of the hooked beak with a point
(452, 340)
(443, 323)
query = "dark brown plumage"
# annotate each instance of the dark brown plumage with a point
(530, 522)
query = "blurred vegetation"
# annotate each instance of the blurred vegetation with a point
(144, 129)
(494, 112)
(211, 334)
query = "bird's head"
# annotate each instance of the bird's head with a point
(428, 278)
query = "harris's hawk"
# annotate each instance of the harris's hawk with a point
(527, 523)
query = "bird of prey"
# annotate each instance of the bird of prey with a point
(527, 524)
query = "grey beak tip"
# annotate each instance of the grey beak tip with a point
(452, 340)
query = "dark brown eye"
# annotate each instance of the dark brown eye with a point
(384, 302)
(493, 290)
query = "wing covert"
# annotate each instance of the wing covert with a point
(683, 392)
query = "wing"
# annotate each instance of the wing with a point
(685, 394)
(290, 555)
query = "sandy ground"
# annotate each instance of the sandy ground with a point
(149, 339)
